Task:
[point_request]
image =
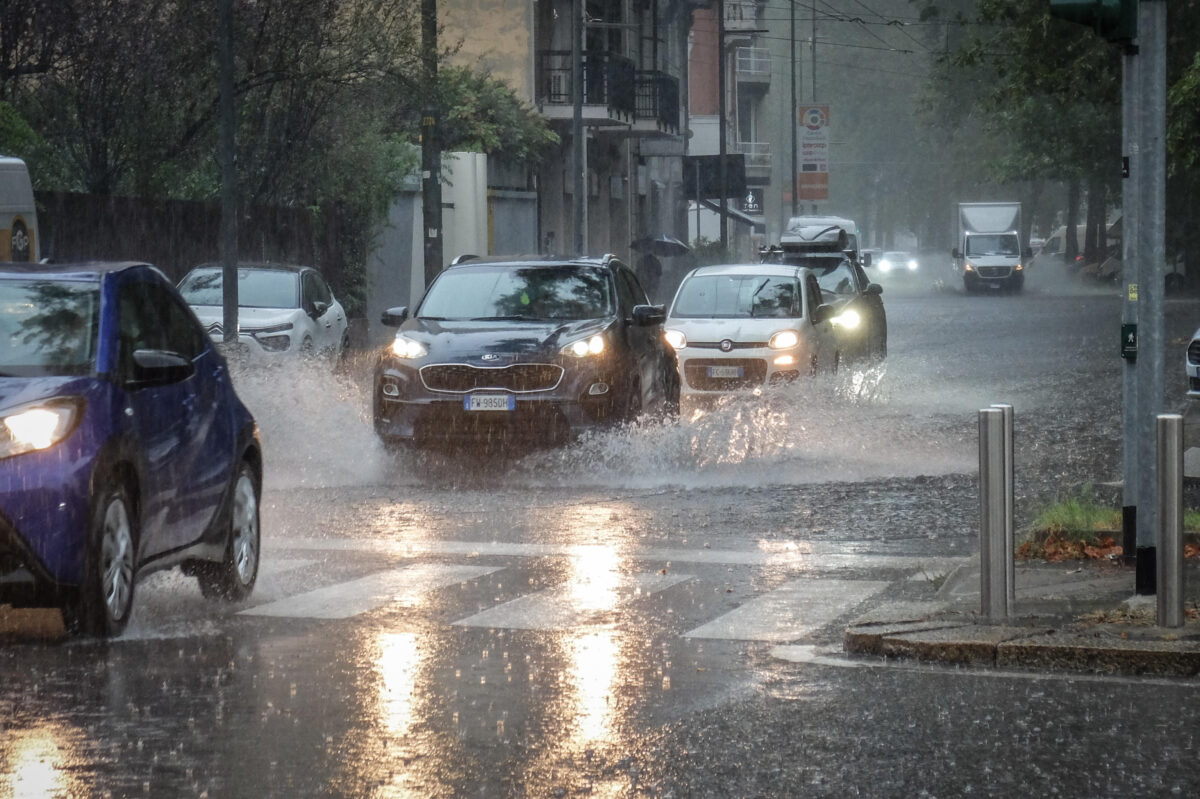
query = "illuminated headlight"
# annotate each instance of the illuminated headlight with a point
(783, 340)
(405, 347)
(848, 319)
(912, 266)
(968, 266)
(676, 338)
(1020, 267)
(34, 427)
(885, 265)
(585, 347)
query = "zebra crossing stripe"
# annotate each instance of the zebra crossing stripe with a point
(792, 611)
(343, 600)
(571, 604)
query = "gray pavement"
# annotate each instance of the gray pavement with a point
(1072, 616)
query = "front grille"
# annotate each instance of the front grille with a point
(1194, 352)
(518, 378)
(993, 271)
(737, 345)
(695, 372)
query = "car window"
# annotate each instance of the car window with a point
(738, 296)
(151, 318)
(316, 289)
(257, 288)
(48, 326)
(815, 298)
(629, 290)
(491, 291)
(837, 277)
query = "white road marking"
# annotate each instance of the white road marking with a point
(794, 559)
(343, 600)
(571, 604)
(789, 612)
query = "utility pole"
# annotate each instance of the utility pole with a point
(722, 177)
(431, 156)
(578, 144)
(228, 235)
(792, 123)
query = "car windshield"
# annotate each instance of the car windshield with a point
(987, 244)
(257, 288)
(48, 327)
(490, 292)
(738, 297)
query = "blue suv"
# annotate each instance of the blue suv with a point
(124, 448)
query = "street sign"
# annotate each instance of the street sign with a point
(812, 122)
(1129, 344)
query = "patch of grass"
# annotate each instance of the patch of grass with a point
(1080, 527)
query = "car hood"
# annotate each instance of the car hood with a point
(500, 341)
(16, 391)
(759, 329)
(248, 318)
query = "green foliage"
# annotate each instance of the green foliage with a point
(1078, 517)
(483, 115)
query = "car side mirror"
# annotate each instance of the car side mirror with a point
(866, 259)
(955, 253)
(159, 368)
(319, 307)
(823, 313)
(394, 317)
(873, 288)
(649, 315)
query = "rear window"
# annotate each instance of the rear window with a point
(738, 296)
(48, 327)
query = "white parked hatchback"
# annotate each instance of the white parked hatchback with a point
(281, 308)
(747, 327)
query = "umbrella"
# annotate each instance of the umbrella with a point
(661, 244)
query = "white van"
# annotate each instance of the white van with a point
(19, 238)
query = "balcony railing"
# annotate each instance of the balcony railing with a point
(608, 80)
(758, 153)
(741, 15)
(753, 64)
(658, 100)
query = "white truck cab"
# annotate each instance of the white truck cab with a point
(19, 237)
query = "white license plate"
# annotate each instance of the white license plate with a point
(489, 402)
(725, 371)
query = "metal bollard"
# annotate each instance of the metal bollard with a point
(1010, 544)
(993, 589)
(1169, 555)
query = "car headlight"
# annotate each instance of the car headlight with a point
(848, 319)
(885, 265)
(912, 266)
(675, 338)
(968, 266)
(584, 347)
(38, 426)
(784, 339)
(405, 347)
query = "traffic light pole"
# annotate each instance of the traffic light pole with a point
(1149, 162)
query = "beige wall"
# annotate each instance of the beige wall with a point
(496, 36)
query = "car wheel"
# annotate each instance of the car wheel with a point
(306, 347)
(632, 406)
(232, 579)
(106, 595)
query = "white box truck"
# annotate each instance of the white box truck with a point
(989, 253)
(18, 214)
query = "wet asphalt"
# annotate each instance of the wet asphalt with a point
(544, 627)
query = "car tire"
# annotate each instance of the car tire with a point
(631, 406)
(232, 579)
(105, 599)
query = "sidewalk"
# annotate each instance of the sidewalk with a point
(1073, 616)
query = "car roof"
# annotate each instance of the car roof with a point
(272, 265)
(896, 252)
(78, 270)
(773, 270)
(535, 260)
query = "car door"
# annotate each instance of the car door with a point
(644, 341)
(822, 331)
(328, 318)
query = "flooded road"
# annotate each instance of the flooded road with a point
(601, 620)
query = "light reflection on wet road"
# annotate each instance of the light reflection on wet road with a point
(600, 621)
